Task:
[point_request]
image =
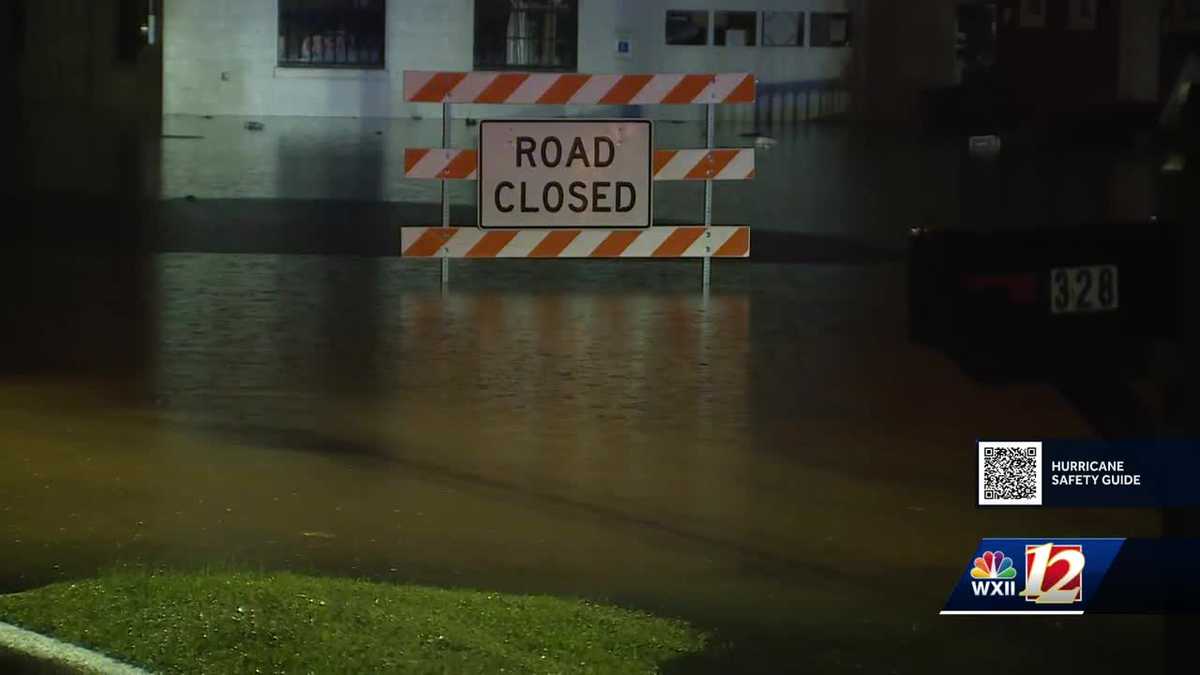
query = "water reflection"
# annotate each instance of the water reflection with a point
(863, 183)
(504, 376)
(856, 183)
(776, 460)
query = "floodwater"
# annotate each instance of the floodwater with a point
(858, 183)
(775, 461)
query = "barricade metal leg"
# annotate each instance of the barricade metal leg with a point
(710, 138)
(446, 136)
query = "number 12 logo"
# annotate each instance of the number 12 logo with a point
(1054, 573)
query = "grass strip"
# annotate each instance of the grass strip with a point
(249, 622)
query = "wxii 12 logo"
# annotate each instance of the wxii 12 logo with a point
(1053, 574)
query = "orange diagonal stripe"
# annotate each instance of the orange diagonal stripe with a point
(625, 89)
(501, 88)
(438, 86)
(688, 89)
(412, 156)
(678, 242)
(563, 88)
(662, 158)
(743, 93)
(461, 166)
(490, 244)
(712, 164)
(430, 242)
(554, 244)
(737, 246)
(615, 244)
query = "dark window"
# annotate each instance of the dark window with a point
(131, 14)
(686, 27)
(735, 29)
(526, 34)
(332, 33)
(1082, 15)
(830, 29)
(18, 28)
(976, 45)
(783, 29)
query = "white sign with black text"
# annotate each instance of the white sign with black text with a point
(565, 173)
(1075, 290)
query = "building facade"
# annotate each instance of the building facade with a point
(318, 58)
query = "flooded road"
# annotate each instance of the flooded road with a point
(775, 461)
(854, 182)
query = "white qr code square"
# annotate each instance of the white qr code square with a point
(1010, 473)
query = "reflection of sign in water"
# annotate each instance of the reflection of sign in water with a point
(564, 173)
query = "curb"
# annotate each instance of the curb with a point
(35, 652)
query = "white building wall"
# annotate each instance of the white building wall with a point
(647, 24)
(206, 40)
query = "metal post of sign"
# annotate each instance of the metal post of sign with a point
(446, 133)
(710, 139)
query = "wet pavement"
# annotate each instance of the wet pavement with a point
(776, 462)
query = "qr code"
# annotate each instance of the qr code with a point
(1010, 473)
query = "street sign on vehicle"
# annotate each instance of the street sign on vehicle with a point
(555, 173)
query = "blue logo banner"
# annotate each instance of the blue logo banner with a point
(1057, 575)
(1024, 576)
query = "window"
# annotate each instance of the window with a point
(1188, 10)
(783, 29)
(129, 38)
(830, 29)
(1082, 15)
(526, 34)
(1033, 13)
(1183, 16)
(735, 29)
(975, 48)
(332, 33)
(18, 29)
(687, 27)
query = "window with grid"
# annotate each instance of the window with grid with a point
(332, 33)
(526, 34)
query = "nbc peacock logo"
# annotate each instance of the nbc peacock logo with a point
(993, 574)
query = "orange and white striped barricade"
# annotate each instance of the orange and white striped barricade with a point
(573, 239)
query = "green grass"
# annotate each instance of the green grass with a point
(234, 622)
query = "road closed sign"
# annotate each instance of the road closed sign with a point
(565, 173)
